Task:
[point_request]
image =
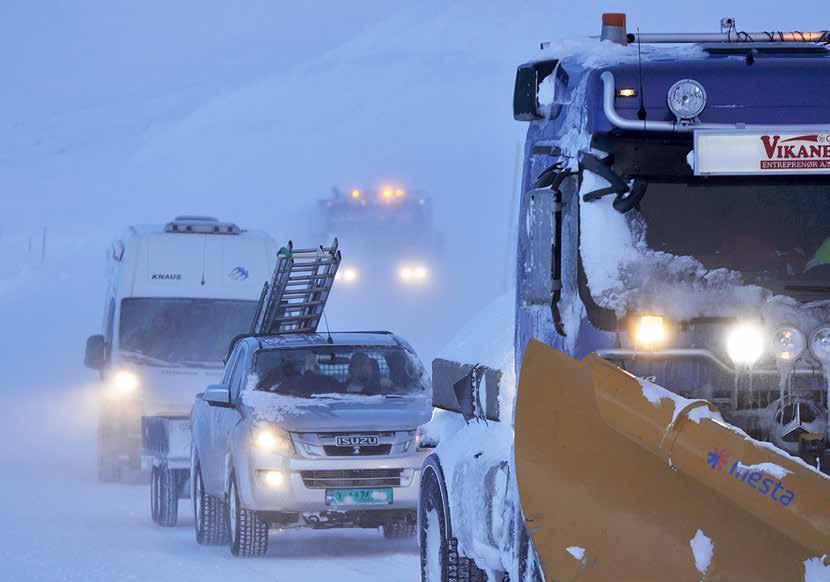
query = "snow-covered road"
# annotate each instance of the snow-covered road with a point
(59, 524)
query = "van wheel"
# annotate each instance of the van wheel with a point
(249, 533)
(164, 496)
(440, 560)
(108, 469)
(154, 494)
(210, 515)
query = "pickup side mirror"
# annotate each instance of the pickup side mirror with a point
(95, 356)
(218, 395)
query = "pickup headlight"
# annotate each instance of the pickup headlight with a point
(269, 438)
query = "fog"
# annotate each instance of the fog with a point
(116, 112)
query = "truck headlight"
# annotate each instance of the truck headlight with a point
(745, 344)
(347, 275)
(270, 439)
(788, 343)
(649, 332)
(124, 383)
(413, 274)
(686, 99)
(820, 344)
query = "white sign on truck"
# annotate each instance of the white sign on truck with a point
(731, 153)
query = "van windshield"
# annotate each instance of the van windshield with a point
(191, 332)
(339, 370)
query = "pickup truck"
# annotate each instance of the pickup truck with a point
(309, 430)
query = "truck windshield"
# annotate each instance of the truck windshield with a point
(339, 370)
(770, 233)
(193, 332)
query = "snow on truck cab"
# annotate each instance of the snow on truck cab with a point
(672, 323)
(307, 429)
(176, 295)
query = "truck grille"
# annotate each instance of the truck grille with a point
(352, 478)
(365, 451)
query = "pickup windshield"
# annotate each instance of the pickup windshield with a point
(189, 332)
(770, 233)
(339, 370)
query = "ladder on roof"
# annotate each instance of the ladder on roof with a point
(294, 300)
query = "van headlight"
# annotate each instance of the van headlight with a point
(269, 438)
(788, 343)
(820, 344)
(124, 383)
(745, 344)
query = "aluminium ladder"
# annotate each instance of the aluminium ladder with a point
(294, 300)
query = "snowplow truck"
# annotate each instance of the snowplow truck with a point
(392, 236)
(672, 324)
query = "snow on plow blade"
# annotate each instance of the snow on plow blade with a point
(616, 484)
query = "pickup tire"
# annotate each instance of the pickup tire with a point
(210, 514)
(249, 532)
(440, 560)
(164, 496)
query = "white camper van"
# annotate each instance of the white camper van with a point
(177, 294)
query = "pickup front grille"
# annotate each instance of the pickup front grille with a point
(330, 479)
(364, 451)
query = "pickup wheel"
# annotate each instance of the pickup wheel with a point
(210, 514)
(164, 496)
(440, 560)
(249, 532)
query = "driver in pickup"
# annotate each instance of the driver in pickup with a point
(364, 373)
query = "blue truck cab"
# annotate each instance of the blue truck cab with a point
(679, 202)
(675, 220)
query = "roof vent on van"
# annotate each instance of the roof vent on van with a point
(200, 225)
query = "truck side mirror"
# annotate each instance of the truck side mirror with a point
(526, 91)
(95, 356)
(218, 395)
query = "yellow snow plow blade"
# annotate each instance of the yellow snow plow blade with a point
(616, 484)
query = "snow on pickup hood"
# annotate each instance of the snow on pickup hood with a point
(338, 412)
